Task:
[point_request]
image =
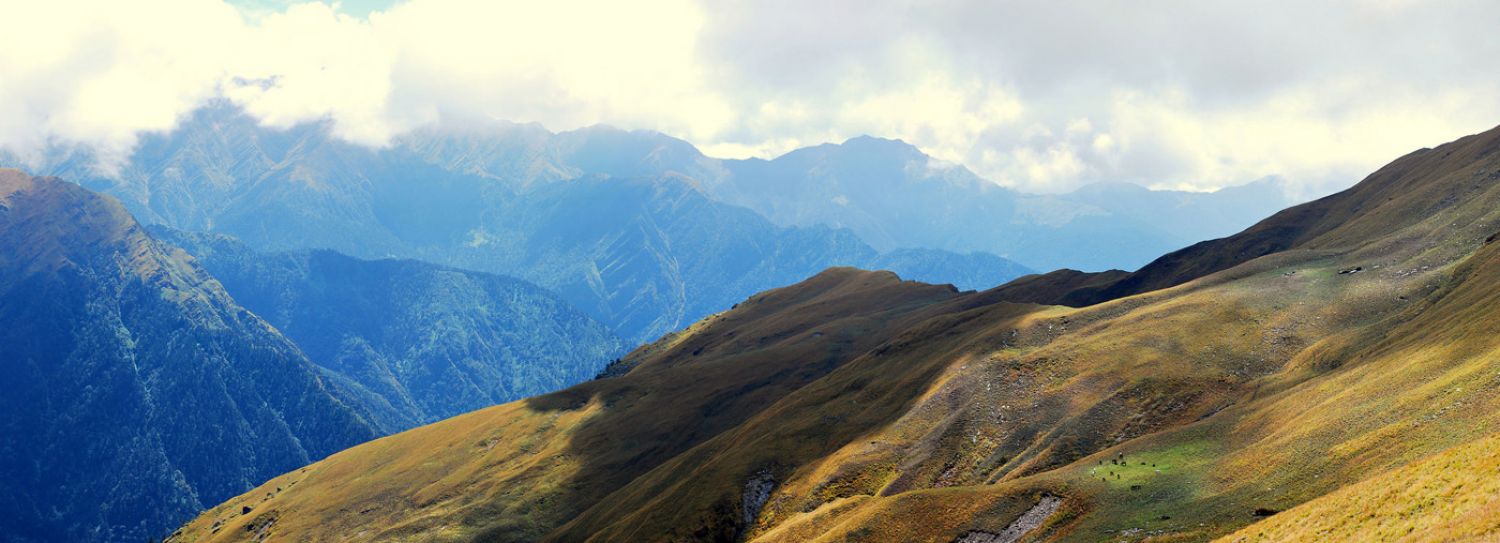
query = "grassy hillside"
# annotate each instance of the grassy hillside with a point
(1363, 339)
(1397, 196)
(1452, 496)
(1435, 385)
(518, 470)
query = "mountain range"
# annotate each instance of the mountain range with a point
(892, 195)
(137, 390)
(294, 294)
(682, 236)
(1326, 374)
(432, 342)
(143, 383)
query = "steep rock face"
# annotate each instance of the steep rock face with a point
(136, 390)
(432, 341)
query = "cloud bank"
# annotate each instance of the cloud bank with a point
(1039, 96)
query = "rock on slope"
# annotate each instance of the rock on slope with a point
(136, 390)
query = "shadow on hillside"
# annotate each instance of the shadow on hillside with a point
(784, 392)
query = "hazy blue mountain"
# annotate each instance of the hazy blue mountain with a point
(650, 255)
(431, 341)
(644, 255)
(888, 192)
(968, 271)
(525, 154)
(1187, 217)
(300, 188)
(894, 196)
(136, 390)
(662, 237)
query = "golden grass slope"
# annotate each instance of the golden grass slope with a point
(882, 410)
(1395, 197)
(1452, 496)
(516, 471)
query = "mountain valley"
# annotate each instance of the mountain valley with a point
(1333, 347)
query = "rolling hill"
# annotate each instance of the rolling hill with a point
(1399, 195)
(1314, 371)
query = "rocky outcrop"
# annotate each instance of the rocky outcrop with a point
(1028, 521)
(753, 499)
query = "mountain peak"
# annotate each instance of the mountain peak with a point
(878, 144)
(53, 224)
(867, 139)
(120, 342)
(13, 180)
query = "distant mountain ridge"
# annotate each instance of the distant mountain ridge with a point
(886, 191)
(893, 196)
(645, 254)
(1407, 191)
(471, 196)
(432, 342)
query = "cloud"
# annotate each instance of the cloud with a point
(97, 74)
(1193, 95)
(1040, 96)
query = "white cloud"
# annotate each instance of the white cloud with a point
(1182, 94)
(98, 73)
(1041, 96)
(310, 62)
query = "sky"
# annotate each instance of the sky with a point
(1039, 96)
